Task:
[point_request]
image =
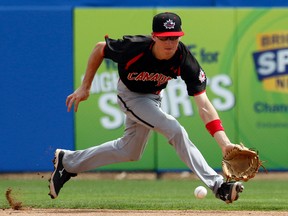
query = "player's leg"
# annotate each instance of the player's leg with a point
(192, 157)
(130, 147)
(146, 110)
(68, 163)
(148, 113)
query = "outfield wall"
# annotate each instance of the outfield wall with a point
(36, 75)
(44, 51)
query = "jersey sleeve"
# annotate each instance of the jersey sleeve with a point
(192, 73)
(121, 50)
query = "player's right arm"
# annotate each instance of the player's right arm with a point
(208, 113)
(82, 93)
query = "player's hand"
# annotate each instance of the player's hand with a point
(227, 148)
(76, 97)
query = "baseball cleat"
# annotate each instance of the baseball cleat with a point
(228, 191)
(59, 176)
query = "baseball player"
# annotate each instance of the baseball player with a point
(145, 65)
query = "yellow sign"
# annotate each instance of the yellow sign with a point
(273, 60)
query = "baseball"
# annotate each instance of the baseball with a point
(200, 192)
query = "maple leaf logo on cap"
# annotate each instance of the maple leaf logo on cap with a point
(169, 24)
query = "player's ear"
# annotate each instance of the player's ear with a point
(153, 36)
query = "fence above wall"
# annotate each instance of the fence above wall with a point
(149, 3)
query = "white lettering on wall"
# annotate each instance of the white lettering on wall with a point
(175, 98)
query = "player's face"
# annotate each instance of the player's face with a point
(165, 47)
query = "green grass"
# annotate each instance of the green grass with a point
(263, 195)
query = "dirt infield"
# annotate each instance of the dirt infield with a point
(90, 212)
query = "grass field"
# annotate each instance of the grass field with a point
(166, 194)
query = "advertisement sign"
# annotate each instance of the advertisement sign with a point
(263, 83)
(246, 72)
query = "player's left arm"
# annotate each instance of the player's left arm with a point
(212, 122)
(82, 93)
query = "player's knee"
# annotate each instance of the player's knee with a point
(178, 134)
(129, 152)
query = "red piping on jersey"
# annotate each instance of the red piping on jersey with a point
(199, 93)
(133, 60)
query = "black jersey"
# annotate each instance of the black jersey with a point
(141, 72)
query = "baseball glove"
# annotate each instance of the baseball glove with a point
(241, 163)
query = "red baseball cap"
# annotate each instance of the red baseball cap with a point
(167, 24)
